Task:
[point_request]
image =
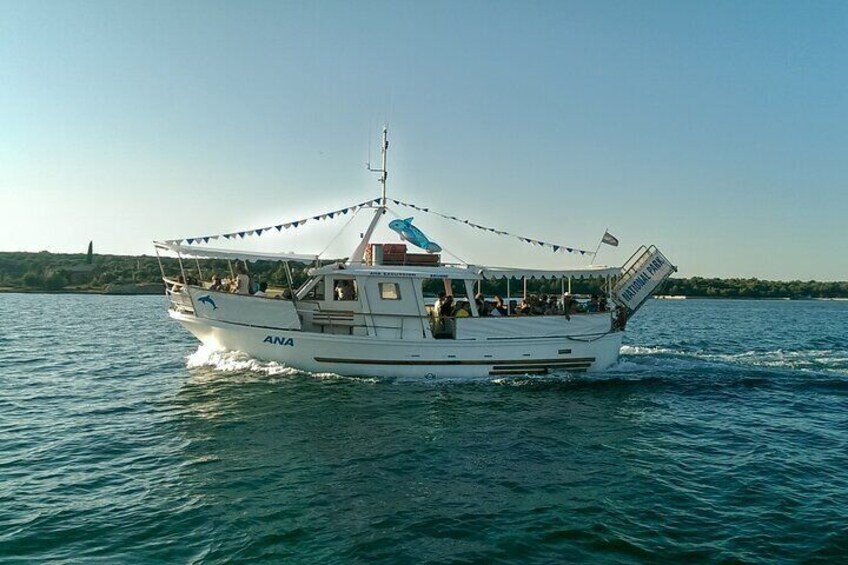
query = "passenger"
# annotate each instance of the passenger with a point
(480, 302)
(262, 292)
(437, 306)
(594, 304)
(286, 294)
(536, 308)
(500, 307)
(492, 310)
(447, 307)
(567, 303)
(349, 291)
(242, 282)
(576, 307)
(178, 286)
(602, 304)
(462, 310)
(217, 284)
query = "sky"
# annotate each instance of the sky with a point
(715, 130)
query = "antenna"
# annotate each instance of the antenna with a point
(384, 173)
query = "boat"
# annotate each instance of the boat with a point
(368, 314)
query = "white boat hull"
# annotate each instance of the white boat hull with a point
(369, 356)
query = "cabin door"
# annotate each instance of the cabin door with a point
(394, 308)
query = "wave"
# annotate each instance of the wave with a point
(822, 361)
(236, 362)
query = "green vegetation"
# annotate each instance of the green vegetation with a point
(87, 272)
(697, 287)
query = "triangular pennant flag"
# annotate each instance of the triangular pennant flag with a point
(241, 234)
(190, 241)
(259, 231)
(205, 240)
(331, 214)
(556, 248)
(570, 250)
(279, 228)
(293, 224)
(345, 211)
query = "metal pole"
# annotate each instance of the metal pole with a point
(291, 283)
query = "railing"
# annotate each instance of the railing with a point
(179, 297)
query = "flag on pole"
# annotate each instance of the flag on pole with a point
(609, 239)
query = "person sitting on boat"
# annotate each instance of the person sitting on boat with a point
(242, 282)
(463, 310)
(602, 304)
(482, 308)
(345, 290)
(500, 307)
(261, 293)
(437, 306)
(178, 286)
(216, 283)
(491, 310)
(447, 308)
(594, 304)
(567, 305)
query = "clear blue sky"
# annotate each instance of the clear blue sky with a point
(716, 130)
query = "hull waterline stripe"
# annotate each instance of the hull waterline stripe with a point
(582, 361)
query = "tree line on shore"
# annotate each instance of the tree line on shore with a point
(59, 272)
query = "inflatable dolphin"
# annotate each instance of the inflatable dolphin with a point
(413, 235)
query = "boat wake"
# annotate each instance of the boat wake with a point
(236, 362)
(827, 362)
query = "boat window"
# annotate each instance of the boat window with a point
(389, 291)
(317, 291)
(344, 289)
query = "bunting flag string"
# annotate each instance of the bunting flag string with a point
(279, 227)
(556, 248)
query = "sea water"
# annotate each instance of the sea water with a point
(721, 436)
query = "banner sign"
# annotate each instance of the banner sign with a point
(637, 283)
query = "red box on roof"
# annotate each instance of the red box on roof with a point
(394, 248)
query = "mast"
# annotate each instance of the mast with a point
(358, 254)
(384, 172)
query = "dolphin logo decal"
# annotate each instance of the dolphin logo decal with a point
(208, 300)
(413, 235)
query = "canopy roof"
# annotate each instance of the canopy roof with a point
(210, 253)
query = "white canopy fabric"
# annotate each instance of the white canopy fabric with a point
(210, 253)
(578, 273)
